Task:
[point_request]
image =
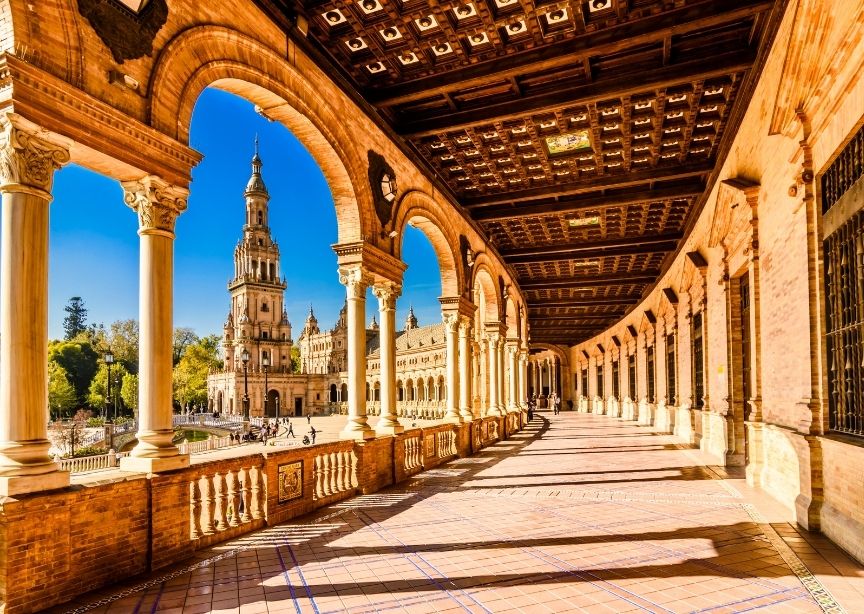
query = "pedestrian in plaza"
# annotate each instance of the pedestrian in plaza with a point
(308, 418)
(290, 429)
(312, 433)
(557, 404)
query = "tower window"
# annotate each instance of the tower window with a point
(260, 218)
(265, 335)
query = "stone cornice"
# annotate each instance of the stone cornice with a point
(105, 139)
(376, 262)
(457, 304)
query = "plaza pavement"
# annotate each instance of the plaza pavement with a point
(577, 513)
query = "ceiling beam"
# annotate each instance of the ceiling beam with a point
(534, 318)
(548, 303)
(578, 251)
(719, 65)
(590, 281)
(691, 189)
(614, 39)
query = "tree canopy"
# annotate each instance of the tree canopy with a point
(75, 322)
(62, 397)
(79, 360)
(190, 374)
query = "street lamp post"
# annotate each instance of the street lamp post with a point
(265, 362)
(109, 360)
(244, 357)
(117, 387)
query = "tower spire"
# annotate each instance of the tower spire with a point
(256, 183)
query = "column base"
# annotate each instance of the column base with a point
(389, 429)
(13, 485)
(143, 464)
(457, 419)
(357, 434)
(467, 415)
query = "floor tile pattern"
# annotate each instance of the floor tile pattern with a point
(578, 513)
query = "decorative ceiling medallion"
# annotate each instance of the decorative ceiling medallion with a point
(382, 180)
(127, 33)
(569, 142)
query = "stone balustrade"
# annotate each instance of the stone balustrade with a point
(141, 522)
(96, 462)
(211, 443)
(335, 470)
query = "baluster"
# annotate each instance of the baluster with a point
(340, 471)
(207, 505)
(352, 462)
(219, 498)
(244, 495)
(233, 518)
(194, 510)
(255, 492)
(318, 491)
(331, 472)
(325, 474)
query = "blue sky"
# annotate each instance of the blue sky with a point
(94, 245)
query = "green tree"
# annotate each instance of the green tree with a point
(62, 398)
(295, 359)
(99, 387)
(123, 338)
(190, 374)
(79, 360)
(183, 338)
(76, 322)
(129, 392)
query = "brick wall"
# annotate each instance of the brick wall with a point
(55, 546)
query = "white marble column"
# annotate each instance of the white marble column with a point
(465, 375)
(451, 331)
(494, 407)
(157, 204)
(387, 423)
(523, 378)
(356, 281)
(512, 350)
(26, 176)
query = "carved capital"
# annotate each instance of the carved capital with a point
(28, 159)
(451, 321)
(156, 202)
(465, 327)
(387, 295)
(355, 280)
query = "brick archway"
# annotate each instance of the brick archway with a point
(484, 284)
(215, 56)
(419, 209)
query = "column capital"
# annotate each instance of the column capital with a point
(356, 280)
(387, 293)
(465, 324)
(28, 158)
(451, 321)
(156, 202)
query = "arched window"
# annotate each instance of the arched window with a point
(260, 218)
(264, 307)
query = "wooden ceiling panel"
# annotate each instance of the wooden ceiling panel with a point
(582, 136)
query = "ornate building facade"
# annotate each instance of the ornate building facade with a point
(257, 324)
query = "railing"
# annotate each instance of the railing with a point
(224, 422)
(212, 443)
(231, 497)
(413, 461)
(446, 444)
(90, 463)
(335, 471)
(126, 427)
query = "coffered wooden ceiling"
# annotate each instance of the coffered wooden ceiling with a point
(580, 135)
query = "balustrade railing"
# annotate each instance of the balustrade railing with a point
(446, 444)
(413, 461)
(96, 462)
(230, 497)
(335, 470)
(212, 443)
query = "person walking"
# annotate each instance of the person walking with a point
(290, 429)
(312, 433)
(557, 404)
(309, 419)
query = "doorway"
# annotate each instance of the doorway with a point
(298, 406)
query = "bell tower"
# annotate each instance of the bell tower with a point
(258, 320)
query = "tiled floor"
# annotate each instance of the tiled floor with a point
(578, 513)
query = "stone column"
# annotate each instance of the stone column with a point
(465, 375)
(475, 380)
(388, 424)
(523, 377)
(27, 165)
(483, 368)
(502, 389)
(451, 328)
(513, 394)
(493, 406)
(356, 281)
(157, 204)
